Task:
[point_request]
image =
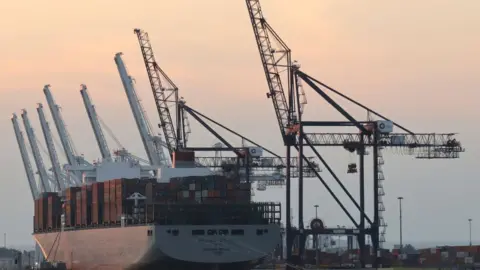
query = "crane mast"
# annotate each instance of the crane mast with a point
(26, 160)
(263, 33)
(164, 91)
(152, 144)
(97, 129)
(42, 172)
(47, 134)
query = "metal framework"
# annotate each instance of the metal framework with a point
(289, 117)
(243, 159)
(165, 92)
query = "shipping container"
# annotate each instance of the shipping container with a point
(111, 202)
(97, 203)
(86, 205)
(106, 202)
(54, 211)
(78, 209)
(42, 213)
(35, 217)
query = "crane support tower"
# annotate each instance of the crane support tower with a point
(375, 134)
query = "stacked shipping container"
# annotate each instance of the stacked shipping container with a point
(86, 194)
(70, 203)
(97, 203)
(210, 189)
(54, 211)
(47, 212)
(105, 203)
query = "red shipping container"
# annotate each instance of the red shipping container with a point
(50, 212)
(97, 203)
(119, 184)
(113, 208)
(54, 211)
(86, 205)
(69, 215)
(106, 202)
(78, 209)
(42, 213)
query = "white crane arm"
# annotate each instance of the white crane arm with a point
(61, 128)
(42, 172)
(94, 121)
(52, 153)
(152, 144)
(26, 160)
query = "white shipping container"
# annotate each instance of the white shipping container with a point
(192, 187)
(204, 193)
(186, 194)
(198, 194)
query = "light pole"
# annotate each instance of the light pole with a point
(470, 229)
(316, 210)
(400, 212)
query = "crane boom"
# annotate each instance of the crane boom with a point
(97, 129)
(47, 134)
(164, 90)
(263, 33)
(42, 172)
(26, 160)
(61, 128)
(153, 144)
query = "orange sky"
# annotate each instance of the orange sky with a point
(417, 61)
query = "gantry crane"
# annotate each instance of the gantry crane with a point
(97, 129)
(47, 134)
(377, 134)
(75, 162)
(153, 144)
(42, 172)
(32, 183)
(166, 95)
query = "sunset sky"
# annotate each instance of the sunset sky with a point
(417, 62)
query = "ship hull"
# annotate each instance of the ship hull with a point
(161, 247)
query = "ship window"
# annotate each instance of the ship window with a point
(198, 232)
(212, 232)
(149, 233)
(265, 231)
(175, 232)
(259, 232)
(223, 232)
(238, 232)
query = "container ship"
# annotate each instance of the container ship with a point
(170, 212)
(188, 222)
